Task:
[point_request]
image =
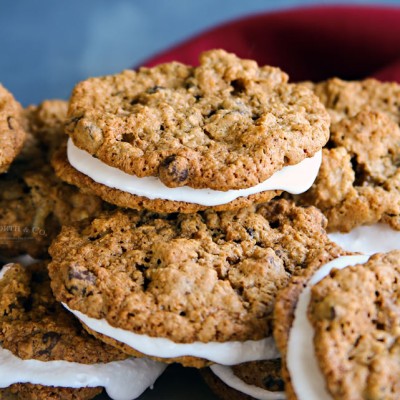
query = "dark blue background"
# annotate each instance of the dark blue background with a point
(48, 45)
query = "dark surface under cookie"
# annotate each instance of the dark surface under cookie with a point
(226, 124)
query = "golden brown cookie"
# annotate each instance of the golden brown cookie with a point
(12, 132)
(226, 124)
(205, 277)
(355, 315)
(358, 182)
(33, 326)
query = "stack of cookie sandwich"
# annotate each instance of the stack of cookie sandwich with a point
(44, 351)
(187, 268)
(172, 225)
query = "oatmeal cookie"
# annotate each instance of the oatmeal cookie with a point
(226, 124)
(34, 326)
(359, 179)
(355, 315)
(46, 123)
(12, 132)
(345, 99)
(353, 312)
(205, 277)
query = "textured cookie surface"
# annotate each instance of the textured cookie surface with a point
(345, 99)
(33, 325)
(12, 132)
(355, 314)
(198, 277)
(263, 374)
(34, 203)
(226, 124)
(126, 200)
(359, 180)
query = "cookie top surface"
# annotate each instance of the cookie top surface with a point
(358, 182)
(197, 277)
(34, 203)
(33, 325)
(344, 99)
(12, 132)
(226, 124)
(355, 314)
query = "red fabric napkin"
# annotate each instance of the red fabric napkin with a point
(316, 43)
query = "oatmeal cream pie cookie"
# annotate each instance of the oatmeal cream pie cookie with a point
(176, 138)
(358, 186)
(12, 132)
(191, 288)
(46, 354)
(343, 323)
(34, 203)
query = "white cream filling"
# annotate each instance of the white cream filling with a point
(306, 377)
(4, 269)
(368, 239)
(226, 353)
(293, 179)
(122, 380)
(230, 379)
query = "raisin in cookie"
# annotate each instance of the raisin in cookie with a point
(45, 352)
(199, 286)
(12, 132)
(226, 125)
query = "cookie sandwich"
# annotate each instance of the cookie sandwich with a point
(358, 186)
(192, 288)
(46, 354)
(12, 130)
(175, 138)
(337, 330)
